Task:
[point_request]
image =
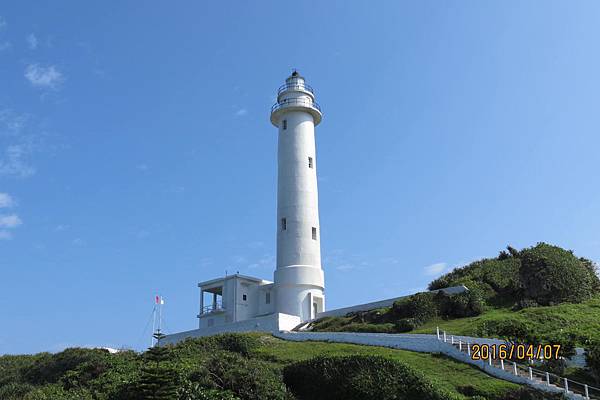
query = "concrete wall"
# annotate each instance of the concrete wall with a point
(268, 323)
(340, 312)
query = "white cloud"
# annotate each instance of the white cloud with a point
(435, 269)
(11, 123)
(60, 228)
(241, 112)
(2, 23)
(5, 235)
(142, 167)
(14, 162)
(77, 242)
(32, 41)
(345, 267)
(10, 221)
(44, 77)
(6, 200)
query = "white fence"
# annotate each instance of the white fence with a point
(459, 348)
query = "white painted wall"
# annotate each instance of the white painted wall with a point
(268, 323)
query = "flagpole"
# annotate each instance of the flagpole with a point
(153, 326)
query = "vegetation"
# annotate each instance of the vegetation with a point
(359, 377)
(547, 292)
(592, 357)
(243, 366)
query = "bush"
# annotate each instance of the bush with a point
(247, 378)
(496, 279)
(420, 307)
(15, 390)
(510, 330)
(543, 274)
(466, 304)
(592, 359)
(56, 392)
(234, 342)
(552, 275)
(405, 325)
(48, 368)
(358, 377)
(525, 303)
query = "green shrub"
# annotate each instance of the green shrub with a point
(48, 368)
(466, 304)
(405, 325)
(592, 358)
(56, 392)
(541, 274)
(510, 330)
(15, 390)
(358, 377)
(414, 311)
(552, 275)
(527, 393)
(234, 342)
(248, 379)
(194, 391)
(497, 279)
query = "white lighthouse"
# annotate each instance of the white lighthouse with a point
(242, 303)
(299, 281)
(238, 303)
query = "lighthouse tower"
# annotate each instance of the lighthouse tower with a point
(299, 280)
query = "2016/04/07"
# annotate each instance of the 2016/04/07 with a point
(520, 351)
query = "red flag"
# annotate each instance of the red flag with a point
(157, 300)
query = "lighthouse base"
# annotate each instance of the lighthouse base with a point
(270, 323)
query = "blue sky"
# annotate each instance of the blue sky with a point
(137, 156)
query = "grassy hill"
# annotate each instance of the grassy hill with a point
(581, 321)
(541, 294)
(247, 366)
(544, 292)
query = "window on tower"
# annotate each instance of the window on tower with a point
(244, 297)
(268, 298)
(310, 162)
(284, 124)
(283, 224)
(314, 233)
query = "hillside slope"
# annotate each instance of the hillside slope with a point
(243, 366)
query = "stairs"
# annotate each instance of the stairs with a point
(533, 377)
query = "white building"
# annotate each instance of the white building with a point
(238, 302)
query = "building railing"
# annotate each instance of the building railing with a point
(218, 306)
(296, 85)
(567, 385)
(295, 102)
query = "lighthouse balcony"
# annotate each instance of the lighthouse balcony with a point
(296, 86)
(296, 104)
(299, 102)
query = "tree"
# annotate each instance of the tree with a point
(552, 275)
(159, 379)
